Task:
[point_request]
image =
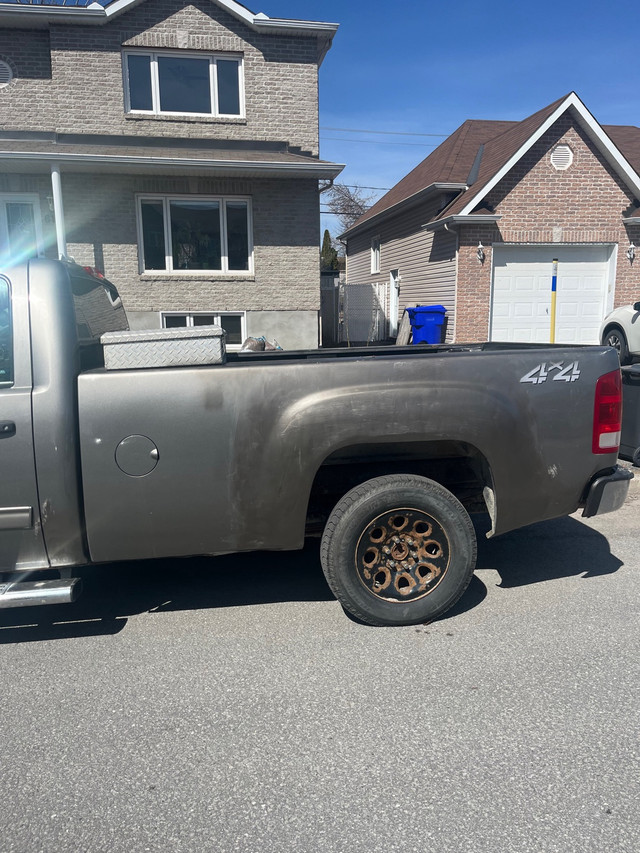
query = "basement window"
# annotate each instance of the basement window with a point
(233, 322)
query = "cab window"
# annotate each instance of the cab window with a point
(6, 335)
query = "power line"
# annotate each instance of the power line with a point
(375, 142)
(358, 187)
(386, 132)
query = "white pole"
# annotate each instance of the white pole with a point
(58, 210)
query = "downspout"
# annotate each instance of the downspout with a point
(58, 211)
(455, 231)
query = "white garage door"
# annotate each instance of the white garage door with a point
(521, 300)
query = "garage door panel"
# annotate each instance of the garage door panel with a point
(569, 309)
(523, 309)
(521, 300)
(592, 311)
(501, 311)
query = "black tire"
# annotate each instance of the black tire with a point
(636, 457)
(433, 558)
(616, 338)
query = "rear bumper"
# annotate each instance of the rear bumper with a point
(607, 492)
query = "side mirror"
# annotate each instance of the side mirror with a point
(636, 306)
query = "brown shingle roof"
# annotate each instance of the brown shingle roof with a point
(627, 139)
(453, 160)
(499, 150)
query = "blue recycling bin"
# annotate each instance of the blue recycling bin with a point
(426, 323)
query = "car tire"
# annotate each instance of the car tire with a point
(398, 550)
(636, 457)
(616, 338)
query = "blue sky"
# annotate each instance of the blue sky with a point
(421, 67)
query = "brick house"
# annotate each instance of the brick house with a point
(475, 227)
(174, 146)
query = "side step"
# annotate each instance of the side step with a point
(34, 593)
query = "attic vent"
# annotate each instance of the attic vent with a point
(6, 74)
(561, 157)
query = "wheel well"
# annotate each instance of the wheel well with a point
(613, 326)
(457, 466)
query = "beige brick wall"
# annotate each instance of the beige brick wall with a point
(538, 204)
(26, 102)
(101, 230)
(80, 89)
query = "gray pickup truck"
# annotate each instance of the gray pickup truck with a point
(383, 451)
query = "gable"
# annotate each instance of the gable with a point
(39, 14)
(534, 194)
(479, 154)
(504, 152)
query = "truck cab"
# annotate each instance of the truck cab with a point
(38, 405)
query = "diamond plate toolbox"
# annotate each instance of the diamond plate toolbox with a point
(163, 348)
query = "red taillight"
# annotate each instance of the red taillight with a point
(607, 413)
(94, 271)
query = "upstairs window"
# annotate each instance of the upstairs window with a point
(183, 84)
(195, 234)
(375, 254)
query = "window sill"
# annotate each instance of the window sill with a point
(197, 276)
(187, 117)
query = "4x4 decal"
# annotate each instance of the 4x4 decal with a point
(542, 372)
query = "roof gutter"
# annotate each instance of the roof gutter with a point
(101, 14)
(313, 170)
(459, 219)
(95, 12)
(410, 201)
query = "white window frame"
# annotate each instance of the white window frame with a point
(216, 314)
(375, 254)
(168, 255)
(183, 54)
(21, 198)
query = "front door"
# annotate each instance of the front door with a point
(21, 542)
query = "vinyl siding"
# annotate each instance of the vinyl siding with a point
(426, 260)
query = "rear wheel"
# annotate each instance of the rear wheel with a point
(398, 550)
(616, 338)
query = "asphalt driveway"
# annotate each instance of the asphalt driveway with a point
(230, 705)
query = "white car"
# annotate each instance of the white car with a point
(621, 329)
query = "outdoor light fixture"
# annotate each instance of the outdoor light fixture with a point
(631, 253)
(50, 202)
(480, 253)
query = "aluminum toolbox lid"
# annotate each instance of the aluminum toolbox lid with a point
(148, 335)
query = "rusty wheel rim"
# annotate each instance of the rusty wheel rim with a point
(402, 555)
